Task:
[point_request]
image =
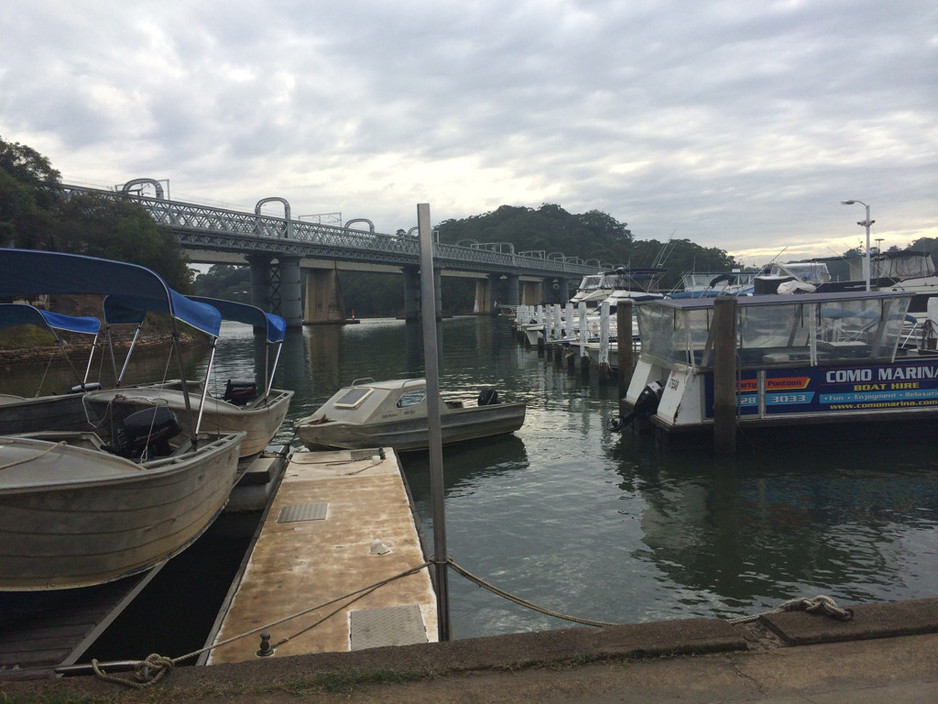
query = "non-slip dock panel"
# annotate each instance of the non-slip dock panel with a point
(394, 625)
(302, 512)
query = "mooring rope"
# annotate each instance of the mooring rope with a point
(522, 602)
(155, 666)
(146, 672)
(820, 604)
(45, 452)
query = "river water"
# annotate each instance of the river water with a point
(604, 526)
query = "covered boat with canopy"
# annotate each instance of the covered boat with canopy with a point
(79, 508)
(239, 409)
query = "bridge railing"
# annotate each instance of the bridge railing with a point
(309, 239)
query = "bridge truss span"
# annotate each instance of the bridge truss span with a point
(219, 229)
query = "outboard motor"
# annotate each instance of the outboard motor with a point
(488, 397)
(645, 405)
(240, 392)
(147, 431)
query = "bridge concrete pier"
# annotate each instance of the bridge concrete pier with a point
(412, 302)
(324, 302)
(276, 288)
(291, 291)
(260, 281)
(532, 293)
(485, 295)
(411, 293)
(514, 289)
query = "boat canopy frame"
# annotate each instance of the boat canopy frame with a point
(19, 314)
(31, 273)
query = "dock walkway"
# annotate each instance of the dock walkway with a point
(340, 522)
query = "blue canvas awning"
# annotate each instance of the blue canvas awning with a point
(275, 326)
(28, 272)
(15, 314)
(120, 309)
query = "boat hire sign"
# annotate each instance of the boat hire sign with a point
(836, 389)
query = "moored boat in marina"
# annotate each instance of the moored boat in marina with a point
(83, 508)
(240, 409)
(393, 413)
(801, 360)
(75, 513)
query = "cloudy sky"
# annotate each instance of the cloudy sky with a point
(735, 124)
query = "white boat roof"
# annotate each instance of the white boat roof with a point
(771, 299)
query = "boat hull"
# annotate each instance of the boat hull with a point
(26, 415)
(74, 516)
(457, 425)
(258, 423)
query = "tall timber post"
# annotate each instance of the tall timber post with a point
(724, 375)
(624, 350)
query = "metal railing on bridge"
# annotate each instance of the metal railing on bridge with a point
(209, 228)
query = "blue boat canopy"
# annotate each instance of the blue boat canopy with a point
(15, 314)
(252, 315)
(119, 309)
(28, 272)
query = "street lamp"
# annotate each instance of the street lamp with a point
(864, 223)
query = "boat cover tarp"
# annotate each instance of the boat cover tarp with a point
(245, 313)
(29, 272)
(15, 314)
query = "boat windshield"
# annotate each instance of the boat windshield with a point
(778, 330)
(411, 398)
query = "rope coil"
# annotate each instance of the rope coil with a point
(146, 672)
(820, 604)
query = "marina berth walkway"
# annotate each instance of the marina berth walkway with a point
(340, 523)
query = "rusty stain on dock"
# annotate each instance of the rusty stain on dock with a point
(337, 505)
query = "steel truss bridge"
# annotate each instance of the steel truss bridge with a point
(205, 228)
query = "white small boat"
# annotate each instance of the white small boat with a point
(800, 360)
(393, 414)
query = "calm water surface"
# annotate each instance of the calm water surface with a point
(604, 526)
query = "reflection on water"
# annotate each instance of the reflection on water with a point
(604, 526)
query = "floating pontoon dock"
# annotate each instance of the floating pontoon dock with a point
(340, 522)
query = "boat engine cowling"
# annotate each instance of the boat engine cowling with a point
(240, 392)
(488, 397)
(148, 431)
(645, 405)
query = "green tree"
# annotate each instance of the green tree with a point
(29, 194)
(232, 283)
(114, 227)
(34, 214)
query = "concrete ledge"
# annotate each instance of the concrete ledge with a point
(887, 620)
(570, 647)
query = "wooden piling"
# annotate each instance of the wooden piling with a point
(724, 375)
(624, 350)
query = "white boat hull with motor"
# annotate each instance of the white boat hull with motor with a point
(394, 414)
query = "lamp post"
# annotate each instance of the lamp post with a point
(864, 223)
